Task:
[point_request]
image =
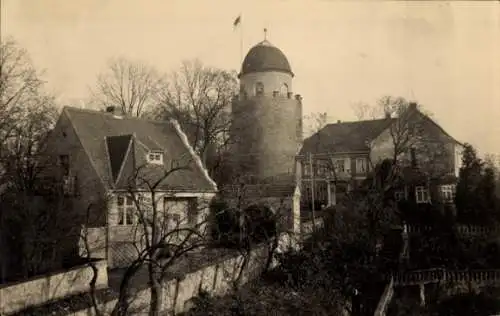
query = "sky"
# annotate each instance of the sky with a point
(445, 55)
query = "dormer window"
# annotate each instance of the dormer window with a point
(155, 157)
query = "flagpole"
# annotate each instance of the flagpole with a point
(241, 42)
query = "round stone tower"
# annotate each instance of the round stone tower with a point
(267, 116)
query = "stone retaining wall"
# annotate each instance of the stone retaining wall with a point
(40, 290)
(217, 279)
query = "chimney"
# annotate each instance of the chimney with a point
(412, 105)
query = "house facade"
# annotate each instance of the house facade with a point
(118, 169)
(339, 157)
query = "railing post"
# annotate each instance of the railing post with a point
(422, 294)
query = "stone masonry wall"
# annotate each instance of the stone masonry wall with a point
(39, 290)
(266, 132)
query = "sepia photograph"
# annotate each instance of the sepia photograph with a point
(266, 157)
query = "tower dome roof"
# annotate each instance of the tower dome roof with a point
(265, 57)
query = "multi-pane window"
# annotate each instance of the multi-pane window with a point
(155, 157)
(126, 210)
(421, 194)
(339, 165)
(360, 165)
(322, 168)
(448, 192)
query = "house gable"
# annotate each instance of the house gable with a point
(434, 137)
(64, 140)
(103, 137)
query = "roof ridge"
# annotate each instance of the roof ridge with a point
(361, 121)
(194, 155)
(92, 111)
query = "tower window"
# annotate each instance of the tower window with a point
(259, 88)
(284, 90)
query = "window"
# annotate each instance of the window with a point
(322, 168)
(422, 194)
(448, 192)
(155, 157)
(175, 210)
(399, 195)
(339, 165)
(284, 90)
(64, 164)
(259, 88)
(126, 211)
(307, 169)
(361, 165)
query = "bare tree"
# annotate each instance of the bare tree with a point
(127, 85)
(363, 110)
(26, 114)
(161, 236)
(199, 98)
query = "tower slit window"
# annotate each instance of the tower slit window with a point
(259, 88)
(284, 90)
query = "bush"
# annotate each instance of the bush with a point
(226, 229)
(259, 223)
(234, 228)
(468, 304)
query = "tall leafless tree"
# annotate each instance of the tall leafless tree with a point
(27, 113)
(199, 98)
(127, 85)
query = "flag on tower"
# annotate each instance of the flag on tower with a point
(237, 21)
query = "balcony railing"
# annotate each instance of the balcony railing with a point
(328, 176)
(442, 275)
(465, 230)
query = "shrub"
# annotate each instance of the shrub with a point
(226, 229)
(234, 228)
(259, 224)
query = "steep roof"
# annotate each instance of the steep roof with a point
(354, 136)
(118, 148)
(345, 136)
